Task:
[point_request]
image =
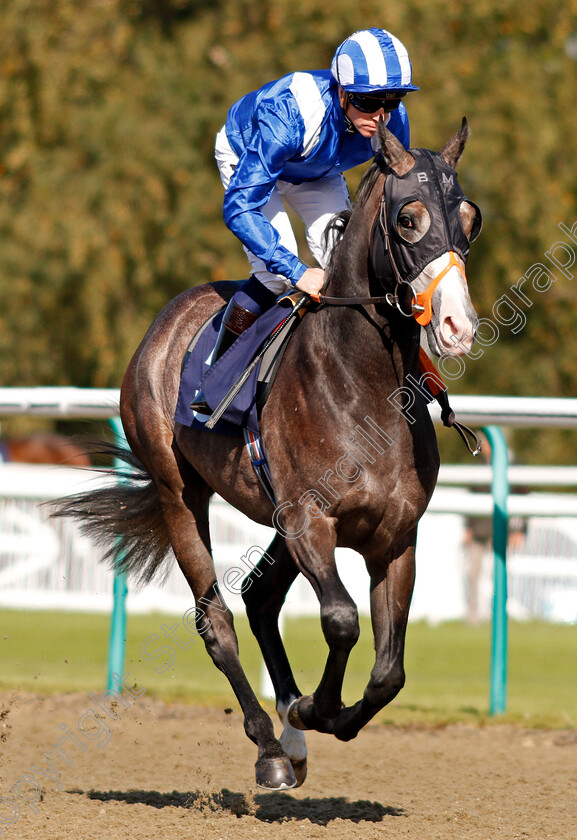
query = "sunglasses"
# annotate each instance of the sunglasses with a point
(372, 104)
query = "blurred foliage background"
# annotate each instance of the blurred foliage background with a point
(110, 200)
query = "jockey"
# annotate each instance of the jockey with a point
(289, 144)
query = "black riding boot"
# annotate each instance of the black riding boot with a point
(236, 320)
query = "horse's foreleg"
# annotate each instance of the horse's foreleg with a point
(314, 554)
(188, 528)
(391, 589)
(264, 592)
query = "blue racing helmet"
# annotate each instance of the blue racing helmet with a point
(372, 60)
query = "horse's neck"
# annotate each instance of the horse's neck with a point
(381, 332)
(348, 273)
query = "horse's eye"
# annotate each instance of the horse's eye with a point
(411, 221)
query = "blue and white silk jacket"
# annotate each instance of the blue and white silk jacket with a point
(292, 130)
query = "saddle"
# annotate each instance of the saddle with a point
(264, 342)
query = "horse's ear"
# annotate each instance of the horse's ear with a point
(453, 149)
(394, 153)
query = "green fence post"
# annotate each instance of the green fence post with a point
(500, 492)
(117, 642)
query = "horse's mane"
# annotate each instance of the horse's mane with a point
(369, 180)
(337, 225)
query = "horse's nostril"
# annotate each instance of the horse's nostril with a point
(450, 327)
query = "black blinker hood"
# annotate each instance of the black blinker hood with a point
(434, 182)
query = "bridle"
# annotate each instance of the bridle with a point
(443, 204)
(417, 305)
(420, 307)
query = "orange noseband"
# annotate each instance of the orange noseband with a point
(422, 307)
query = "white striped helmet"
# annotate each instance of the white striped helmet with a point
(372, 60)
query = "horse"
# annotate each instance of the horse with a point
(44, 448)
(352, 451)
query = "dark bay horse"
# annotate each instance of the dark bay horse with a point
(353, 458)
(44, 448)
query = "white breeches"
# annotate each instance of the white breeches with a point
(314, 202)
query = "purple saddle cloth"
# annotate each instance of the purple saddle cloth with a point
(216, 381)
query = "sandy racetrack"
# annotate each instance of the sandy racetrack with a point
(173, 772)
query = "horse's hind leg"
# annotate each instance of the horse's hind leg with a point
(264, 592)
(185, 508)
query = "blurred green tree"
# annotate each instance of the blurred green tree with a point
(110, 201)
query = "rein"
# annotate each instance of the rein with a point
(326, 300)
(421, 306)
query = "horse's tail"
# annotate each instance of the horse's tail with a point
(124, 517)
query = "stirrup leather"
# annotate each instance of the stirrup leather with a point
(236, 320)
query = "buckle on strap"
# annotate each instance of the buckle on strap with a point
(393, 299)
(438, 389)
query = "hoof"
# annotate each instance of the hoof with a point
(301, 715)
(300, 769)
(294, 714)
(276, 774)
